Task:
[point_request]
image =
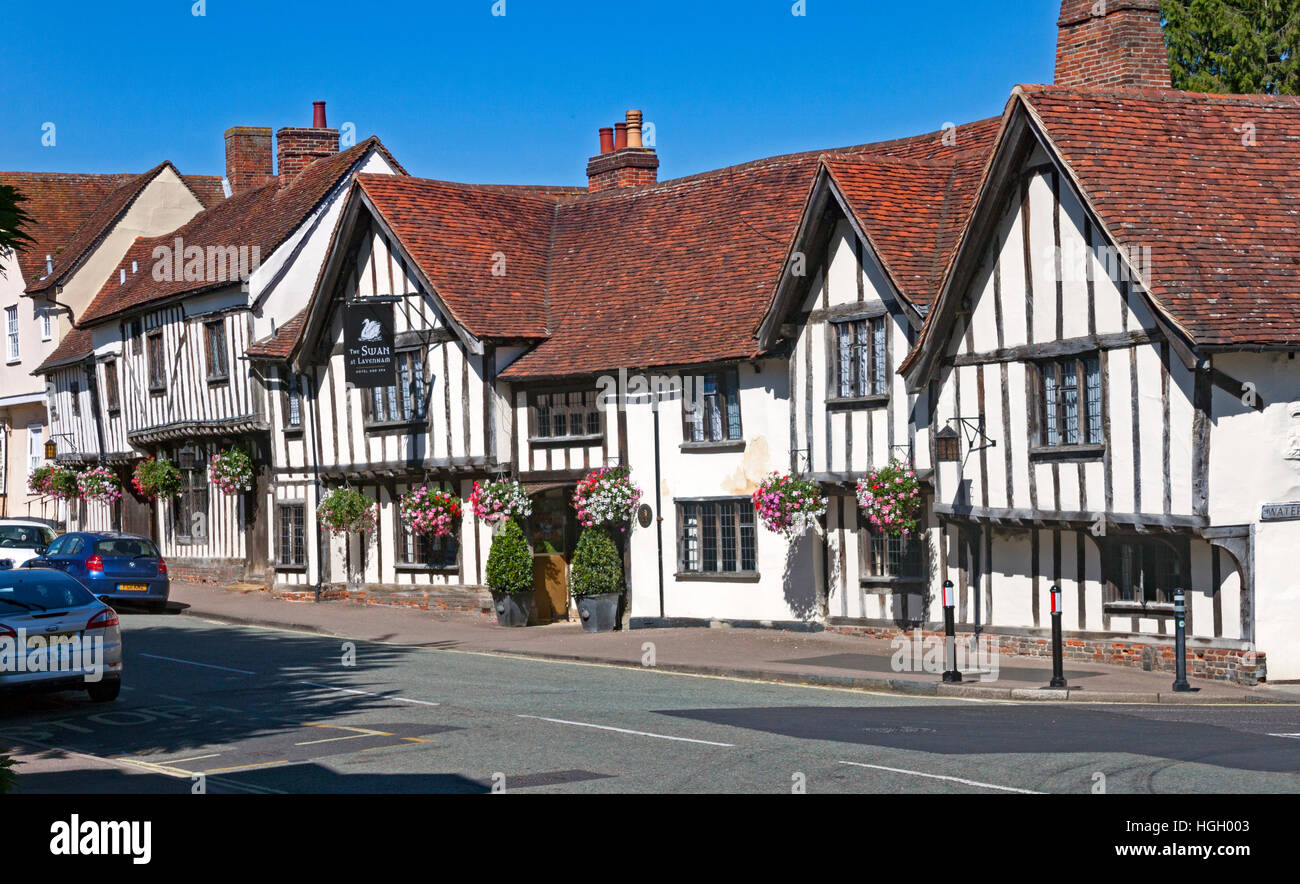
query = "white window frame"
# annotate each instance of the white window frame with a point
(47, 327)
(35, 447)
(11, 334)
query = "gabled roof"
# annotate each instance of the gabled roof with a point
(1209, 183)
(264, 218)
(109, 211)
(483, 249)
(280, 345)
(59, 204)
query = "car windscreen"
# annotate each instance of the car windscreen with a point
(40, 591)
(125, 547)
(25, 536)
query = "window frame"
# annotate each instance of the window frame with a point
(541, 404)
(112, 395)
(290, 390)
(154, 348)
(726, 393)
(47, 323)
(1112, 551)
(297, 536)
(74, 390)
(417, 418)
(1039, 407)
(194, 486)
(874, 389)
(216, 353)
(694, 553)
(13, 344)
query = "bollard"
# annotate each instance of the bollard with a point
(1180, 643)
(1058, 650)
(951, 674)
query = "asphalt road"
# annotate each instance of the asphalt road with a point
(239, 709)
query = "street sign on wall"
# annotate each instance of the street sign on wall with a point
(368, 345)
(1280, 512)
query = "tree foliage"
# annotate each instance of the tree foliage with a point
(1234, 46)
(597, 566)
(510, 562)
(13, 221)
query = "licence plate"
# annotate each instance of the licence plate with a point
(132, 587)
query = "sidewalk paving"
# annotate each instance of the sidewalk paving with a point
(824, 659)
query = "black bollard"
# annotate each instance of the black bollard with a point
(1058, 649)
(951, 674)
(1180, 643)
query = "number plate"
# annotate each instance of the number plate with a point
(132, 587)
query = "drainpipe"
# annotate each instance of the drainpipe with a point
(307, 385)
(659, 517)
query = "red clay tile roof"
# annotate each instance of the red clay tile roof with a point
(208, 188)
(264, 217)
(59, 204)
(76, 345)
(912, 212)
(455, 233)
(280, 344)
(1173, 171)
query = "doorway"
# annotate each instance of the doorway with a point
(553, 533)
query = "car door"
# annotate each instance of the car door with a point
(46, 559)
(72, 557)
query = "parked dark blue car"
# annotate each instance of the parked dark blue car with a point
(110, 564)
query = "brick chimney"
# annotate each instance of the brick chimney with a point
(296, 149)
(623, 161)
(1111, 44)
(248, 157)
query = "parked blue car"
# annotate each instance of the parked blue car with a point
(112, 565)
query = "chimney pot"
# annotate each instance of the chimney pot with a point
(296, 149)
(620, 136)
(607, 140)
(318, 115)
(634, 129)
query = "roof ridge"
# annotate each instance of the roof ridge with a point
(1172, 95)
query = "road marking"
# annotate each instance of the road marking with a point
(245, 766)
(930, 776)
(192, 663)
(620, 730)
(360, 732)
(195, 758)
(370, 694)
(1292, 736)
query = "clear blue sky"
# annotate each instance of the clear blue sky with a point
(459, 94)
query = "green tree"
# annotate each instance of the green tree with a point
(13, 220)
(510, 563)
(7, 776)
(597, 567)
(1234, 46)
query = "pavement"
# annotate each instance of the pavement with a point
(219, 708)
(809, 658)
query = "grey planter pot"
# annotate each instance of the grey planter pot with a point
(513, 609)
(599, 613)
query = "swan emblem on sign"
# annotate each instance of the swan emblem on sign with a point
(371, 330)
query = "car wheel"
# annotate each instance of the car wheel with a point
(105, 691)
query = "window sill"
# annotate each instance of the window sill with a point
(1067, 452)
(885, 582)
(157, 391)
(427, 569)
(12, 361)
(114, 412)
(397, 427)
(544, 441)
(218, 381)
(723, 445)
(719, 576)
(292, 432)
(848, 402)
(1138, 609)
(281, 566)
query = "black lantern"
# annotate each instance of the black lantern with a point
(947, 445)
(185, 458)
(50, 450)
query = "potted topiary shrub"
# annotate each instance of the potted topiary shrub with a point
(510, 575)
(596, 580)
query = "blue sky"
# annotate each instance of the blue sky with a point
(460, 94)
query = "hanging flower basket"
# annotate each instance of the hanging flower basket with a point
(99, 484)
(41, 481)
(606, 496)
(494, 502)
(431, 511)
(890, 498)
(347, 511)
(788, 505)
(231, 471)
(153, 479)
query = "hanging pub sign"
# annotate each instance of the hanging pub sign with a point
(368, 345)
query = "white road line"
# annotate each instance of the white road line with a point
(620, 730)
(930, 776)
(1292, 736)
(192, 663)
(370, 694)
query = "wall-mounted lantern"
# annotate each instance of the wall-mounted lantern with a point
(185, 458)
(51, 450)
(947, 445)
